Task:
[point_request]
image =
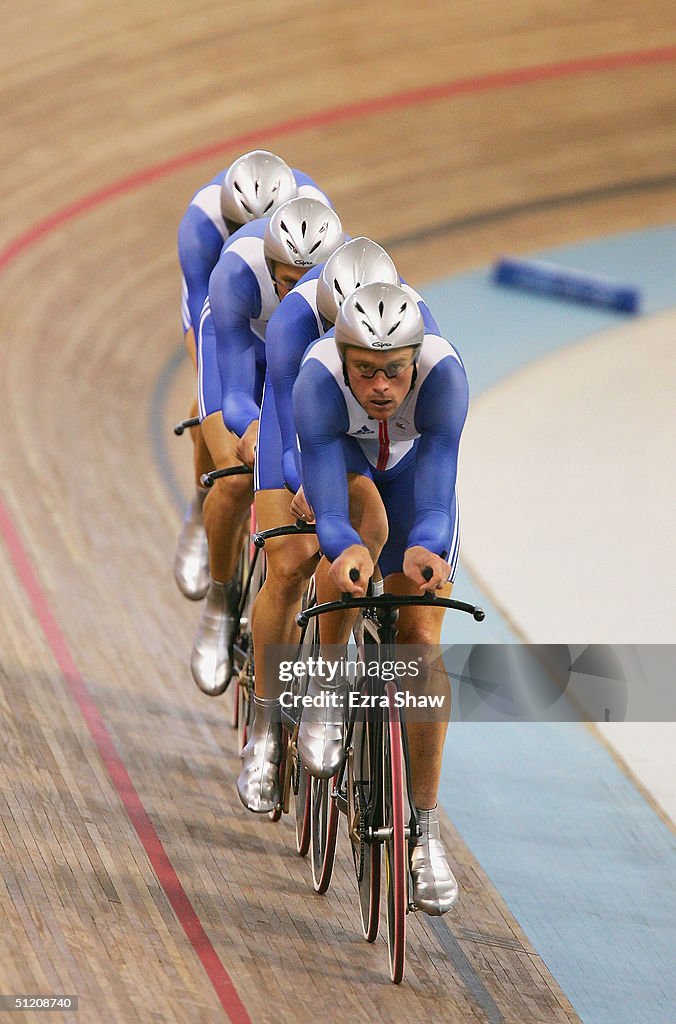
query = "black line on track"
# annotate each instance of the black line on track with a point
(465, 971)
(501, 213)
(156, 421)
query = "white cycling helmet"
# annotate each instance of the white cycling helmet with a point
(380, 317)
(255, 185)
(356, 263)
(302, 233)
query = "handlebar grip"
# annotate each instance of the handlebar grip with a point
(184, 424)
(479, 614)
(354, 576)
(206, 480)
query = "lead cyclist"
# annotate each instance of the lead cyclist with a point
(386, 401)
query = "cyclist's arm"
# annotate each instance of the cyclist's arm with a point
(309, 188)
(440, 416)
(292, 327)
(234, 298)
(431, 326)
(322, 421)
(199, 246)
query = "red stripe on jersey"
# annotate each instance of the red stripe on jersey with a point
(384, 451)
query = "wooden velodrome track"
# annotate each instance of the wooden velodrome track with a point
(131, 875)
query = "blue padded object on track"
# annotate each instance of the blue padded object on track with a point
(561, 282)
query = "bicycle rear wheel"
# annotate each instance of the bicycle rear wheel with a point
(366, 854)
(245, 708)
(323, 831)
(396, 866)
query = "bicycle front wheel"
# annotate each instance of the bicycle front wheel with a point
(396, 867)
(366, 853)
(323, 832)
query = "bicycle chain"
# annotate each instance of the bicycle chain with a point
(361, 803)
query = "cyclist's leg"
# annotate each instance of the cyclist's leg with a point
(290, 560)
(226, 520)
(290, 563)
(226, 508)
(369, 519)
(434, 886)
(320, 737)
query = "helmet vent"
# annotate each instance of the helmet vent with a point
(303, 228)
(336, 285)
(268, 206)
(315, 246)
(368, 327)
(381, 308)
(237, 187)
(403, 307)
(359, 308)
(393, 328)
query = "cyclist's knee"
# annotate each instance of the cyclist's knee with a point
(367, 513)
(235, 491)
(286, 575)
(420, 634)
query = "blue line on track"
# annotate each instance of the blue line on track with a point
(584, 864)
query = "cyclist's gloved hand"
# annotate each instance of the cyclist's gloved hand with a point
(354, 557)
(300, 507)
(418, 558)
(246, 446)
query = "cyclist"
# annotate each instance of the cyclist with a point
(259, 265)
(384, 400)
(303, 316)
(253, 186)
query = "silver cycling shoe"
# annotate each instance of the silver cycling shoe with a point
(258, 784)
(435, 889)
(210, 661)
(191, 561)
(321, 730)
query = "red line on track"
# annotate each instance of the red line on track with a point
(119, 776)
(334, 115)
(152, 844)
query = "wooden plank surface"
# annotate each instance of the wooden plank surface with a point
(92, 94)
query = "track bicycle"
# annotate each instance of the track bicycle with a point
(373, 784)
(250, 578)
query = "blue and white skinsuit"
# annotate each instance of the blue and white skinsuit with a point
(292, 328)
(202, 235)
(412, 457)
